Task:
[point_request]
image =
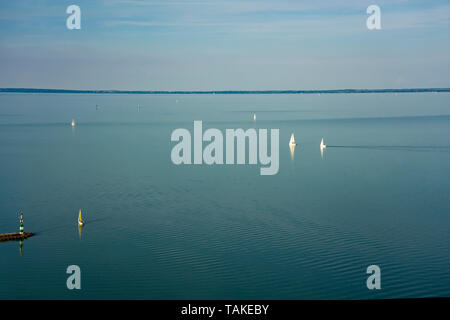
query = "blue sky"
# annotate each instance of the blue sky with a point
(224, 45)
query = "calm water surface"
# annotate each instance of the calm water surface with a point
(379, 195)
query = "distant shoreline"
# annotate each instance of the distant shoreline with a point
(34, 90)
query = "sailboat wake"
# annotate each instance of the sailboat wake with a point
(399, 148)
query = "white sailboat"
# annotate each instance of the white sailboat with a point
(322, 145)
(254, 117)
(80, 220)
(292, 140)
(73, 123)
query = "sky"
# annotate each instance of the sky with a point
(224, 45)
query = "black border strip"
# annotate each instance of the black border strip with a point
(172, 309)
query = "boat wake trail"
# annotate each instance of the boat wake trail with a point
(399, 148)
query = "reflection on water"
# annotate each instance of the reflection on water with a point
(80, 229)
(21, 248)
(292, 150)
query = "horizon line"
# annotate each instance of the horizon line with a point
(288, 91)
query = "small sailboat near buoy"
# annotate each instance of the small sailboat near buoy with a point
(73, 123)
(292, 142)
(80, 220)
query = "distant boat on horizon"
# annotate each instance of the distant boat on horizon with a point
(182, 92)
(254, 117)
(73, 123)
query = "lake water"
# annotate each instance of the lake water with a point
(154, 230)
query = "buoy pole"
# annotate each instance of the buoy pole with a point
(21, 223)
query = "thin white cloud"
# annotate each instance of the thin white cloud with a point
(426, 18)
(349, 21)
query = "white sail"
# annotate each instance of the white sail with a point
(254, 117)
(322, 144)
(80, 220)
(292, 140)
(73, 123)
